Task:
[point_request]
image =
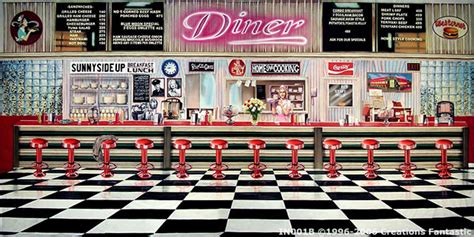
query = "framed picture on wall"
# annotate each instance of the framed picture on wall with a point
(390, 82)
(157, 87)
(174, 87)
(340, 95)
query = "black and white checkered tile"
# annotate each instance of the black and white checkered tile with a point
(237, 205)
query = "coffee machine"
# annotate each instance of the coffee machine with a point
(445, 112)
(171, 108)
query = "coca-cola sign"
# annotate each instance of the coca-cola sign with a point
(340, 68)
(242, 28)
(450, 27)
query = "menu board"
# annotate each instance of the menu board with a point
(340, 95)
(401, 28)
(141, 88)
(347, 26)
(137, 26)
(81, 26)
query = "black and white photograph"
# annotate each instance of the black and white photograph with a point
(174, 87)
(158, 87)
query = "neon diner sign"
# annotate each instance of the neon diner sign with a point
(219, 26)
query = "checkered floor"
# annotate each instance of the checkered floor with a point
(236, 206)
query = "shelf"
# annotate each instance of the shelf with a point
(113, 105)
(82, 105)
(85, 91)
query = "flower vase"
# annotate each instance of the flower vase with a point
(254, 119)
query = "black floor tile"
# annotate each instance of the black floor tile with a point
(220, 189)
(258, 214)
(429, 176)
(361, 177)
(463, 211)
(397, 204)
(80, 177)
(227, 177)
(142, 214)
(325, 224)
(13, 175)
(298, 204)
(444, 223)
(351, 196)
(25, 181)
(177, 183)
(45, 187)
(71, 195)
(129, 188)
(162, 196)
(259, 234)
(31, 212)
(64, 226)
(258, 196)
(205, 226)
(100, 182)
(204, 204)
(459, 187)
(286, 177)
(14, 202)
(384, 189)
(411, 182)
(102, 204)
(373, 214)
(441, 195)
(153, 177)
(257, 183)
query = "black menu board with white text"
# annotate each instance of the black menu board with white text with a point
(81, 26)
(141, 88)
(347, 26)
(401, 28)
(137, 26)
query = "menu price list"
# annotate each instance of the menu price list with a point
(81, 26)
(401, 27)
(347, 27)
(137, 27)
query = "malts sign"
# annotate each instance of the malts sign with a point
(241, 28)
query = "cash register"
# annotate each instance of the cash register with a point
(445, 112)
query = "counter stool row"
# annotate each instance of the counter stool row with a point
(256, 145)
(371, 167)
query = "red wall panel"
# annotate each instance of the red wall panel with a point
(6, 140)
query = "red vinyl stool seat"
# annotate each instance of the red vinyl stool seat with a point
(218, 167)
(332, 167)
(39, 165)
(407, 166)
(256, 166)
(444, 167)
(106, 166)
(182, 167)
(71, 166)
(370, 145)
(294, 145)
(143, 168)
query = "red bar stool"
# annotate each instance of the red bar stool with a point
(332, 167)
(39, 165)
(256, 166)
(218, 167)
(444, 167)
(144, 144)
(407, 167)
(106, 166)
(370, 145)
(71, 166)
(182, 167)
(294, 145)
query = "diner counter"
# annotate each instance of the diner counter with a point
(238, 155)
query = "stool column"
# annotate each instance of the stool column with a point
(71, 166)
(332, 167)
(38, 144)
(444, 167)
(294, 145)
(182, 167)
(218, 167)
(370, 145)
(256, 166)
(106, 166)
(407, 166)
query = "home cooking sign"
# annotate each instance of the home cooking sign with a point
(275, 68)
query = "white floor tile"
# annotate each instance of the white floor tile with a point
(9, 224)
(257, 189)
(128, 226)
(200, 214)
(343, 189)
(5, 209)
(190, 235)
(444, 182)
(463, 175)
(397, 196)
(26, 194)
(424, 213)
(248, 177)
(138, 183)
(323, 177)
(469, 193)
(116, 196)
(48, 176)
(374, 183)
(52, 203)
(172, 189)
(397, 177)
(316, 214)
(296, 183)
(305, 196)
(386, 225)
(258, 204)
(217, 183)
(425, 188)
(361, 204)
(86, 188)
(257, 225)
(454, 202)
(60, 182)
(191, 177)
(5, 180)
(153, 204)
(115, 177)
(12, 187)
(210, 196)
(90, 214)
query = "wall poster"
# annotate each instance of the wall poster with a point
(390, 82)
(340, 95)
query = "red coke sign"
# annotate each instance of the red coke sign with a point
(341, 69)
